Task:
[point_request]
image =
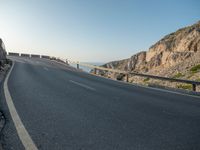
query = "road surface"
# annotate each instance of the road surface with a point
(64, 109)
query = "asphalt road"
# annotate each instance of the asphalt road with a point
(65, 109)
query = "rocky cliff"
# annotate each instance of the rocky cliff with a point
(2, 51)
(173, 54)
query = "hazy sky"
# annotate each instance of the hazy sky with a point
(91, 30)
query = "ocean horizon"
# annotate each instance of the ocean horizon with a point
(87, 69)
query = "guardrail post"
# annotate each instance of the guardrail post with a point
(77, 66)
(194, 87)
(127, 77)
(95, 71)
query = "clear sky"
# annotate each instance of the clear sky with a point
(91, 30)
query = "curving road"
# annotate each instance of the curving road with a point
(65, 109)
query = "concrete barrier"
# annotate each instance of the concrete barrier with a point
(35, 56)
(25, 55)
(13, 54)
(44, 56)
(53, 58)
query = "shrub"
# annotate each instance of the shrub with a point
(198, 80)
(178, 75)
(120, 76)
(146, 79)
(185, 86)
(195, 69)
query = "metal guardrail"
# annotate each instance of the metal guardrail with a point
(193, 83)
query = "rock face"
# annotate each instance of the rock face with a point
(2, 51)
(164, 56)
(169, 51)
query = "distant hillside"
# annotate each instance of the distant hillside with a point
(172, 56)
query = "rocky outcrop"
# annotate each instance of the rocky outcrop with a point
(2, 51)
(172, 51)
(169, 51)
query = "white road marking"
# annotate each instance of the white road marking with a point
(168, 91)
(82, 85)
(21, 130)
(147, 87)
(45, 68)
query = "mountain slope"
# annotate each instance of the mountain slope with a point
(175, 53)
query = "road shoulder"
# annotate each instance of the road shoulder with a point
(3, 72)
(8, 134)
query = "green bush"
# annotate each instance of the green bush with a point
(146, 79)
(195, 69)
(178, 75)
(120, 76)
(198, 80)
(185, 86)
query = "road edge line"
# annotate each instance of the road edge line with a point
(21, 130)
(82, 85)
(147, 87)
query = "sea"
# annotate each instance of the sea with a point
(87, 69)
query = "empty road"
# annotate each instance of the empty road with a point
(64, 109)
